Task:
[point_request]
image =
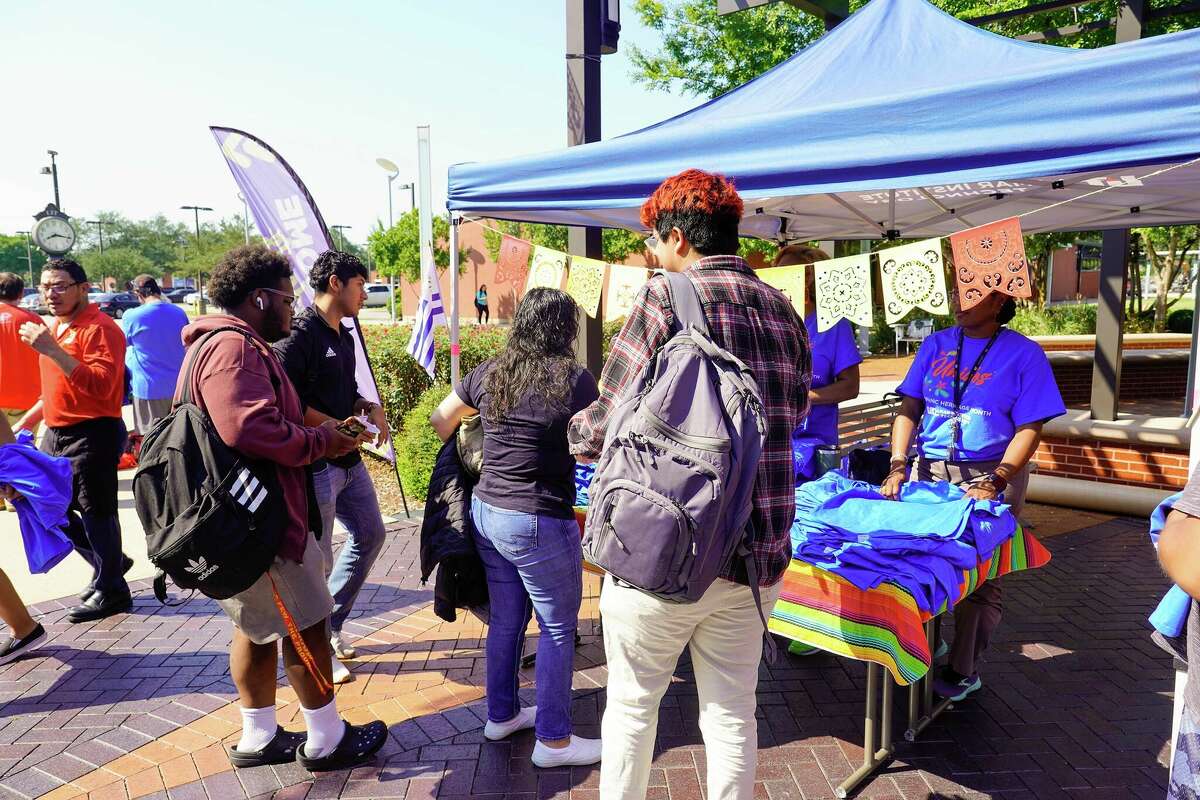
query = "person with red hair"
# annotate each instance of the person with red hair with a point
(693, 219)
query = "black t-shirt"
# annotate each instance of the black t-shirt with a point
(526, 464)
(320, 362)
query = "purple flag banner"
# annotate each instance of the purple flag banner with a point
(290, 223)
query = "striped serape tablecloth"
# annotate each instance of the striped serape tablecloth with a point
(884, 624)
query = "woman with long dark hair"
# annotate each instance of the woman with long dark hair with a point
(976, 397)
(525, 527)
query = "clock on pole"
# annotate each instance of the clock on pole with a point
(53, 231)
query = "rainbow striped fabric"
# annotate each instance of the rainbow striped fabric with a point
(884, 624)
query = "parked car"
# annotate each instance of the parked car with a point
(193, 298)
(178, 293)
(35, 303)
(377, 295)
(115, 304)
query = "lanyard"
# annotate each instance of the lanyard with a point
(960, 387)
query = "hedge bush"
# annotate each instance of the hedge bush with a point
(417, 447)
(1180, 320)
(401, 380)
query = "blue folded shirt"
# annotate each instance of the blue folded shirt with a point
(922, 542)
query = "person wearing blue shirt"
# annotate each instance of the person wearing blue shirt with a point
(835, 360)
(153, 353)
(976, 397)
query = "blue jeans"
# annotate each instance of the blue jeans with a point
(348, 496)
(534, 564)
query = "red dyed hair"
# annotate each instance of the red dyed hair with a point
(693, 191)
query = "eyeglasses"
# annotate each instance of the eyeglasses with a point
(651, 242)
(291, 298)
(57, 288)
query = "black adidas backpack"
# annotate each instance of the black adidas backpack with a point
(214, 520)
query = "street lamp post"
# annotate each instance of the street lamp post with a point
(28, 253)
(392, 171)
(99, 223)
(52, 171)
(412, 194)
(196, 210)
(340, 229)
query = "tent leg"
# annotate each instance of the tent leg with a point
(1110, 313)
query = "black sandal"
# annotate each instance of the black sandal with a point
(281, 749)
(358, 744)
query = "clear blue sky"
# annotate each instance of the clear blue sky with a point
(125, 93)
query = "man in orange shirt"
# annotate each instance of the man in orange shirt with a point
(20, 382)
(83, 379)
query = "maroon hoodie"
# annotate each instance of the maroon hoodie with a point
(256, 411)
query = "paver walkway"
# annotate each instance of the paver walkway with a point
(1076, 702)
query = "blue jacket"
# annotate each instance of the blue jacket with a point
(45, 486)
(924, 542)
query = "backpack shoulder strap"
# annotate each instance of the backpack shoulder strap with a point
(186, 395)
(685, 302)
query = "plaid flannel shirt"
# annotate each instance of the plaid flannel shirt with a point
(757, 324)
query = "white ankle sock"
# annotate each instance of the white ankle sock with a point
(325, 730)
(258, 729)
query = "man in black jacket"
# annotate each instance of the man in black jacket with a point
(320, 359)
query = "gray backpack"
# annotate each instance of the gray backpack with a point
(671, 498)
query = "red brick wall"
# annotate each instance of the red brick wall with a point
(1140, 380)
(1113, 462)
(1126, 344)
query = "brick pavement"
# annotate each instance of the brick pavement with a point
(1076, 702)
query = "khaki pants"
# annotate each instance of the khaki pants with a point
(978, 615)
(643, 638)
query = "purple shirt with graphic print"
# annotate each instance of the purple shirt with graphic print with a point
(1014, 386)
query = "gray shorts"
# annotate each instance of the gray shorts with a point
(304, 592)
(148, 412)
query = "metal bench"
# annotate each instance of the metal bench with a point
(866, 423)
(912, 333)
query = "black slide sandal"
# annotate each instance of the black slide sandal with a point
(358, 744)
(281, 749)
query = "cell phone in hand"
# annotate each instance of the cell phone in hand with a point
(352, 427)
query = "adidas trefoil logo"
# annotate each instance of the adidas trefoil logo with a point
(200, 568)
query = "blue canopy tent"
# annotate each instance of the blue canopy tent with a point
(901, 118)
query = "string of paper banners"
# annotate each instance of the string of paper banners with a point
(989, 258)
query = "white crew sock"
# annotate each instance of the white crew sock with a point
(325, 730)
(258, 729)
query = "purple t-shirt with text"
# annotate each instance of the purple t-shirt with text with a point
(1014, 386)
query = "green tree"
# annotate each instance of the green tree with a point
(397, 250)
(618, 244)
(12, 257)
(158, 238)
(705, 54)
(120, 263)
(215, 240)
(1170, 257)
